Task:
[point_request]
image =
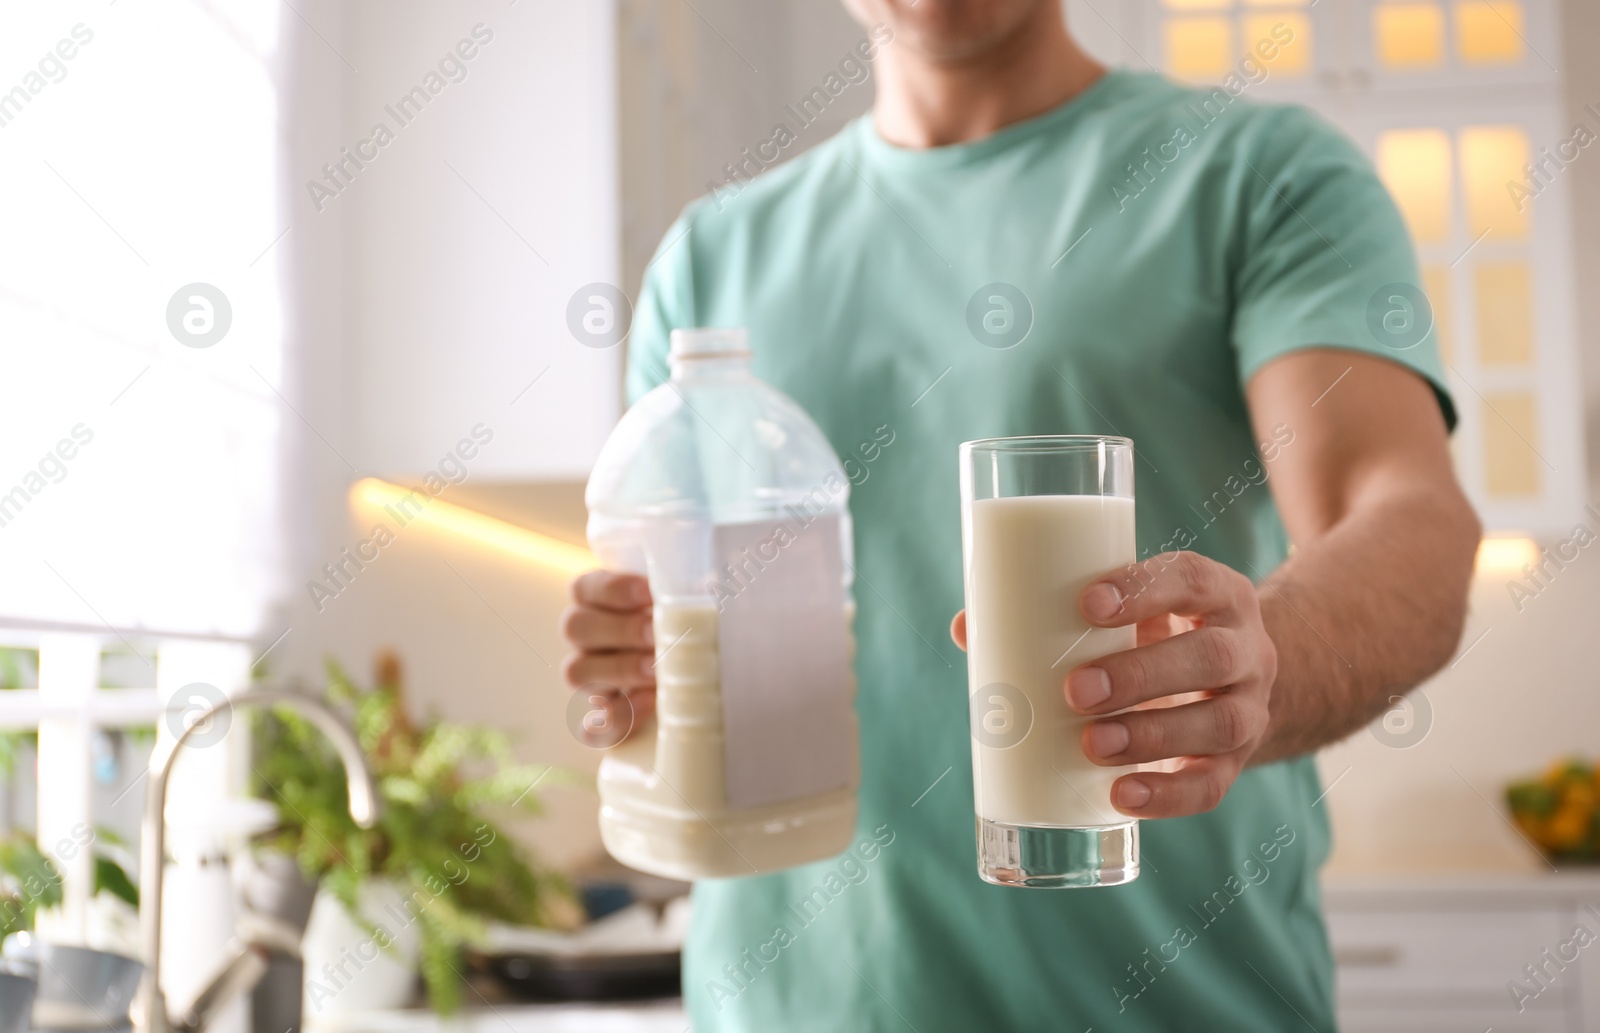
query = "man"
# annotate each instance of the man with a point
(1205, 292)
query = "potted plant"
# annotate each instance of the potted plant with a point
(436, 844)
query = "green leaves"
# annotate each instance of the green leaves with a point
(13, 676)
(31, 882)
(110, 878)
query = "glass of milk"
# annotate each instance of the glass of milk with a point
(1041, 518)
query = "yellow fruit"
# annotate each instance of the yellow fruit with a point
(1568, 828)
(1559, 810)
(1566, 770)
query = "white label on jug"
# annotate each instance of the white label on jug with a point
(786, 706)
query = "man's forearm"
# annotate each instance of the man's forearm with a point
(1363, 613)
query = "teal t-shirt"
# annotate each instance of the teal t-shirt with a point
(1153, 247)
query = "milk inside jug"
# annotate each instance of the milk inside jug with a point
(722, 491)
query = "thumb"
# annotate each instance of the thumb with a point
(958, 630)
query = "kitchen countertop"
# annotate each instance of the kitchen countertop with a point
(631, 1017)
(1576, 884)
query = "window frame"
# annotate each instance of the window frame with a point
(69, 706)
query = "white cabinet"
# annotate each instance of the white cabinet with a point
(1453, 1020)
(1507, 953)
(470, 227)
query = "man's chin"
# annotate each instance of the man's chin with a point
(949, 30)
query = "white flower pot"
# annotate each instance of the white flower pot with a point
(348, 970)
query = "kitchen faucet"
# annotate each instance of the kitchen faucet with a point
(248, 964)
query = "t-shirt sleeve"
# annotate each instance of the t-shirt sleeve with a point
(666, 302)
(1323, 258)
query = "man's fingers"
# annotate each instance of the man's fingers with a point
(628, 669)
(1222, 724)
(1154, 629)
(958, 629)
(614, 716)
(590, 628)
(643, 705)
(622, 593)
(610, 622)
(1197, 787)
(1206, 658)
(1184, 583)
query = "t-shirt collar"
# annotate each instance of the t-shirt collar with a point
(874, 148)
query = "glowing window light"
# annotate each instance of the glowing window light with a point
(1505, 312)
(1491, 157)
(1198, 48)
(1490, 32)
(552, 553)
(1409, 35)
(1293, 58)
(1415, 165)
(1510, 444)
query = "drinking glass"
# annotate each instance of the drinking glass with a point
(1042, 518)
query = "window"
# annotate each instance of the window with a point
(1416, 35)
(139, 551)
(1493, 266)
(1489, 33)
(1409, 35)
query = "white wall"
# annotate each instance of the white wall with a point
(694, 96)
(471, 231)
(1524, 695)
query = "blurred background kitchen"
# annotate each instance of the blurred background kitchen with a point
(274, 275)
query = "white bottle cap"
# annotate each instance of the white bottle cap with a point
(710, 343)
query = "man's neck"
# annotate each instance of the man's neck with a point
(926, 102)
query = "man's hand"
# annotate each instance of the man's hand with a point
(1200, 635)
(1200, 631)
(1371, 601)
(610, 628)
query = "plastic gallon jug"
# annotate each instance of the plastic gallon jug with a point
(723, 492)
